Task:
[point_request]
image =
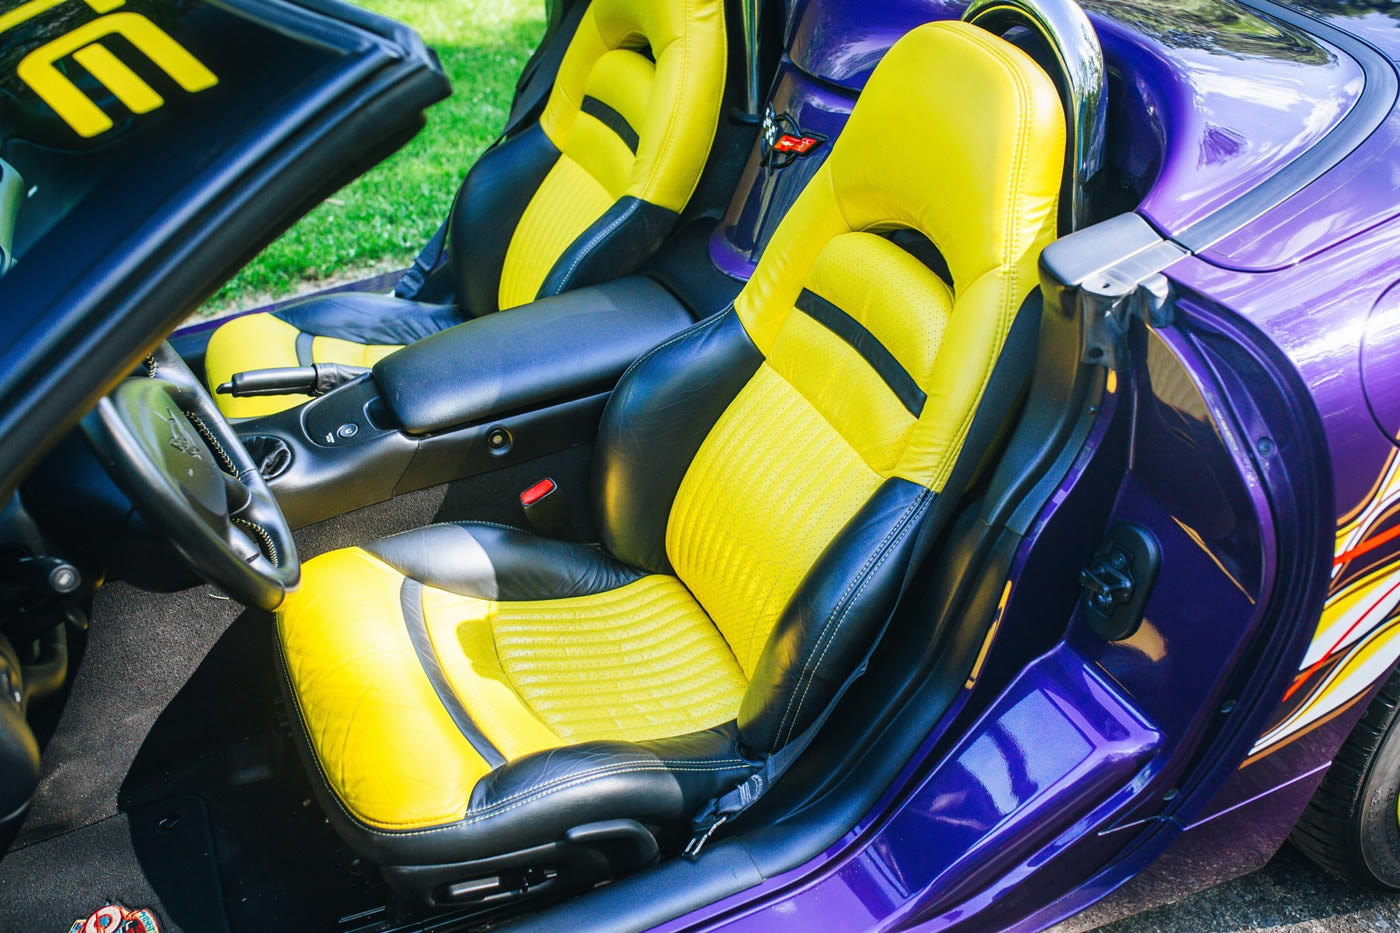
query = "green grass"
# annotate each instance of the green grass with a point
(379, 221)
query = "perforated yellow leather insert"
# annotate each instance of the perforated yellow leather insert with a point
(978, 172)
(770, 486)
(672, 105)
(957, 135)
(621, 79)
(568, 201)
(383, 740)
(639, 662)
(902, 304)
(688, 44)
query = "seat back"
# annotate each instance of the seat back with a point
(784, 454)
(590, 191)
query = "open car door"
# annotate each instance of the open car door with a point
(153, 147)
(150, 147)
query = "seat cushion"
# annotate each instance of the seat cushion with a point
(353, 328)
(419, 667)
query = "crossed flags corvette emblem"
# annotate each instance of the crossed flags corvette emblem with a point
(114, 918)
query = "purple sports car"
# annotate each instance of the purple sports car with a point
(838, 466)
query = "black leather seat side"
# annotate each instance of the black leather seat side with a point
(655, 421)
(488, 206)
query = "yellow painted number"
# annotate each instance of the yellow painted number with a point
(39, 68)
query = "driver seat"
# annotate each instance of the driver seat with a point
(471, 693)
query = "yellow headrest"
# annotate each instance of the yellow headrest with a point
(687, 41)
(958, 135)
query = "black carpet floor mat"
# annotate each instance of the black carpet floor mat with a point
(169, 780)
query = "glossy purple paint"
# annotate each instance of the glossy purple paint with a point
(1348, 201)
(839, 41)
(1203, 107)
(1236, 97)
(739, 239)
(1057, 744)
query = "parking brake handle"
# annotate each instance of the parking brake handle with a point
(316, 379)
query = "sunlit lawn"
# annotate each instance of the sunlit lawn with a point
(379, 221)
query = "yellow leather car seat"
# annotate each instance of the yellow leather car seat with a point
(584, 195)
(467, 690)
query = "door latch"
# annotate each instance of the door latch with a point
(1118, 581)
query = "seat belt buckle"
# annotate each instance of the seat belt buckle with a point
(702, 836)
(545, 507)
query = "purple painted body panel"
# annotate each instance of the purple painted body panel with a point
(841, 43)
(1380, 27)
(1202, 109)
(997, 784)
(740, 237)
(1236, 98)
(1356, 196)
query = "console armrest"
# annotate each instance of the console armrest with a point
(555, 349)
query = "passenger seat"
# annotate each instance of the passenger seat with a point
(584, 195)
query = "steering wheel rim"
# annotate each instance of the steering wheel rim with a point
(175, 455)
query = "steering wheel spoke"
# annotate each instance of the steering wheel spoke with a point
(172, 451)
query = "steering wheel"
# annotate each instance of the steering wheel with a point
(173, 453)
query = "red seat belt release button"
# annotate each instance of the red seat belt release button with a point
(537, 492)
(545, 507)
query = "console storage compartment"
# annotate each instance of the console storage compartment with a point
(566, 347)
(483, 395)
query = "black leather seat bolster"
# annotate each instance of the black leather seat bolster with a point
(551, 350)
(537, 799)
(656, 420)
(661, 782)
(488, 207)
(833, 616)
(625, 236)
(497, 562)
(364, 317)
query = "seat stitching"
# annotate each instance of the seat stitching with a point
(668, 136)
(1008, 244)
(907, 523)
(593, 243)
(663, 764)
(839, 603)
(694, 328)
(684, 764)
(480, 816)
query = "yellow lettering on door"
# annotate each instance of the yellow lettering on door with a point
(38, 70)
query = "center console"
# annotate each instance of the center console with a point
(489, 393)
